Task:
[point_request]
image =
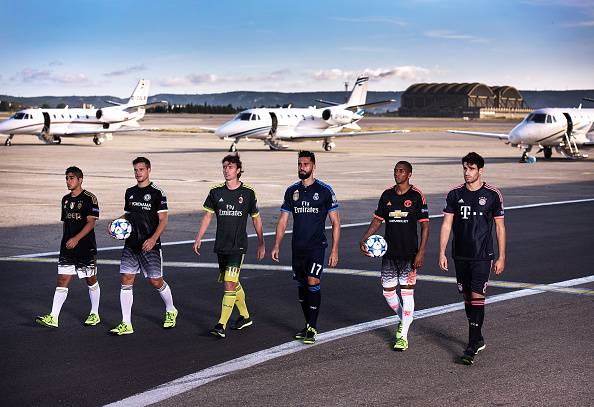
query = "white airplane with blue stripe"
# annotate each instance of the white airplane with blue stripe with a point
(274, 126)
(50, 125)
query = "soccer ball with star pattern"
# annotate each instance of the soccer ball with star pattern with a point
(376, 245)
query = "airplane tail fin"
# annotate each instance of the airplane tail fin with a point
(140, 95)
(359, 93)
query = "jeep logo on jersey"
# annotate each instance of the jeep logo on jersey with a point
(408, 203)
(296, 195)
(465, 211)
(482, 201)
(316, 196)
(147, 197)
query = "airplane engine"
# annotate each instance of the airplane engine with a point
(111, 115)
(337, 117)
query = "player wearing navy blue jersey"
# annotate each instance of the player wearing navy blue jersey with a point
(402, 208)
(471, 210)
(146, 209)
(78, 248)
(232, 202)
(310, 201)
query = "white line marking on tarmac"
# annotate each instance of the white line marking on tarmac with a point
(341, 271)
(221, 370)
(348, 225)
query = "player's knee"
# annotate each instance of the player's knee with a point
(230, 285)
(313, 281)
(156, 282)
(63, 280)
(127, 279)
(91, 280)
(474, 295)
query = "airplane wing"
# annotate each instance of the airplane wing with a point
(500, 136)
(326, 102)
(370, 105)
(322, 136)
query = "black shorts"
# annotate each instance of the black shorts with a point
(230, 266)
(473, 275)
(308, 263)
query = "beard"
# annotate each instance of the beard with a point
(303, 174)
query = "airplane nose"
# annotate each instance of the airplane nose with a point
(221, 131)
(516, 135)
(4, 126)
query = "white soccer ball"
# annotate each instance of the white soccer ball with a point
(376, 245)
(120, 229)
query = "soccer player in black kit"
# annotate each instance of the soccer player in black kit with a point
(231, 202)
(310, 201)
(78, 249)
(402, 207)
(146, 208)
(471, 209)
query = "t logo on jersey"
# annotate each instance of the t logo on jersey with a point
(465, 211)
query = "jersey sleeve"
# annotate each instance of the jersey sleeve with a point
(92, 206)
(162, 202)
(253, 208)
(209, 202)
(127, 208)
(63, 210)
(380, 211)
(422, 209)
(450, 206)
(332, 202)
(498, 211)
(287, 206)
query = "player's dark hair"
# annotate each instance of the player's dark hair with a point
(234, 159)
(473, 158)
(406, 164)
(143, 160)
(74, 170)
(305, 153)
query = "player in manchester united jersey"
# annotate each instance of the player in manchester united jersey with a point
(78, 249)
(310, 201)
(146, 208)
(471, 209)
(231, 202)
(402, 207)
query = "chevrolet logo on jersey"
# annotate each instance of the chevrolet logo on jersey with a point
(398, 214)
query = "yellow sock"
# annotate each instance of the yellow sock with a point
(227, 307)
(240, 301)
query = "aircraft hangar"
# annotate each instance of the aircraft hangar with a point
(473, 100)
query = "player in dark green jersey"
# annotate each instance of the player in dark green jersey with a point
(231, 202)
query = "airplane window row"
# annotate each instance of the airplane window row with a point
(70, 116)
(21, 116)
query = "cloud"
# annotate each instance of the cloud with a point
(406, 72)
(56, 63)
(204, 78)
(382, 20)
(32, 75)
(126, 71)
(450, 35)
(580, 24)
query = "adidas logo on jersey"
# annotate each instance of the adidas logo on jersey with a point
(461, 200)
(220, 199)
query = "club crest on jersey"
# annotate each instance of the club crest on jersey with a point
(79, 205)
(408, 203)
(240, 200)
(316, 196)
(296, 195)
(482, 201)
(147, 197)
(71, 205)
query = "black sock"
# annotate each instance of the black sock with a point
(302, 296)
(314, 299)
(477, 315)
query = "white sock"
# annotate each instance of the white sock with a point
(95, 295)
(165, 293)
(126, 300)
(59, 298)
(408, 309)
(394, 302)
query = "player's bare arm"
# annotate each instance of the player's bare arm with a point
(335, 220)
(499, 265)
(152, 241)
(257, 221)
(444, 236)
(374, 226)
(280, 233)
(204, 222)
(73, 241)
(419, 260)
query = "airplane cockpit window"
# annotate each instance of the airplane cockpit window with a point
(244, 116)
(18, 116)
(529, 117)
(549, 120)
(554, 120)
(538, 118)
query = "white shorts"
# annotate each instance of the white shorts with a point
(397, 272)
(84, 267)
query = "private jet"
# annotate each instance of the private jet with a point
(566, 130)
(50, 125)
(274, 126)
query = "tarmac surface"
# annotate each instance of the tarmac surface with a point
(538, 347)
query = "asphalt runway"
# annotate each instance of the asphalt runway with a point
(540, 344)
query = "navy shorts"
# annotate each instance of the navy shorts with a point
(473, 275)
(308, 263)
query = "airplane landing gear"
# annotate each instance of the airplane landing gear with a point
(233, 148)
(328, 145)
(548, 152)
(57, 140)
(98, 140)
(8, 141)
